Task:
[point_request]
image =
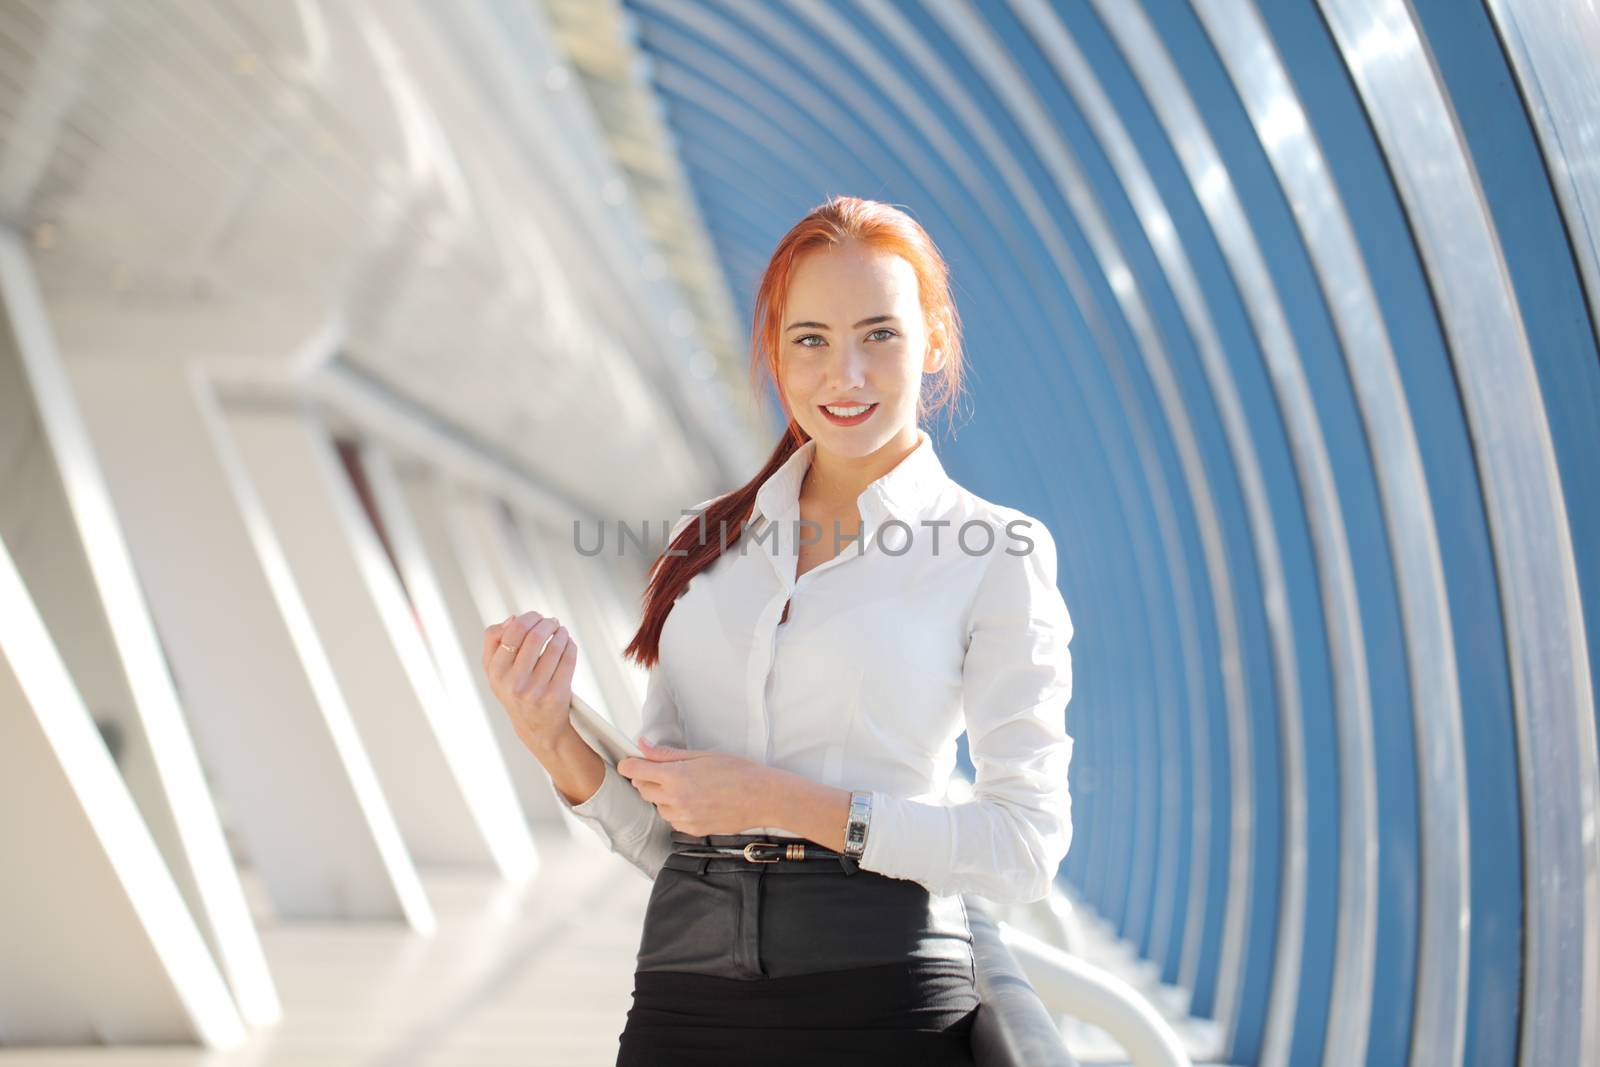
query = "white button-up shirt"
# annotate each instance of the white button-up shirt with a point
(943, 616)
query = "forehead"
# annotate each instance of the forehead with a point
(852, 274)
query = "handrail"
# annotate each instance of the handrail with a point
(1068, 985)
(1013, 1028)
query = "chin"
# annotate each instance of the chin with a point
(851, 441)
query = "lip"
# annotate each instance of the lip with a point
(856, 421)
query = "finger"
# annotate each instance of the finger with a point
(655, 774)
(532, 645)
(568, 664)
(505, 651)
(527, 652)
(545, 668)
(670, 754)
(492, 637)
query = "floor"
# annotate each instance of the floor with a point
(532, 976)
(541, 975)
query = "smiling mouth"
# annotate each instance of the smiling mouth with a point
(851, 420)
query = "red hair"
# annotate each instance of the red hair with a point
(836, 221)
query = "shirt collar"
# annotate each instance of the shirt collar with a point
(904, 490)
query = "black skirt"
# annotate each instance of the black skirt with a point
(819, 962)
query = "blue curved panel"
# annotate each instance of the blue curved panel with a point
(1164, 376)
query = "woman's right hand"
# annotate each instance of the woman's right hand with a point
(533, 678)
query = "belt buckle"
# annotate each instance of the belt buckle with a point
(763, 844)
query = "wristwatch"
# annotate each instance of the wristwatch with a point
(855, 828)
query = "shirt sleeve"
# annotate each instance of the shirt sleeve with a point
(630, 825)
(1008, 841)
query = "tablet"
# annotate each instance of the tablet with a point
(602, 736)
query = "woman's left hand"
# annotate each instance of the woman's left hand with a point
(699, 792)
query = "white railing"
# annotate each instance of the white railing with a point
(1067, 985)
(1013, 1028)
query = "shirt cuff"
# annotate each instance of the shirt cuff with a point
(626, 822)
(613, 809)
(953, 849)
(896, 821)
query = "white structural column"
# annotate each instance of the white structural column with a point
(501, 582)
(271, 723)
(96, 942)
(56, 513)
(429, 772)
(471, 601)
(452, 635)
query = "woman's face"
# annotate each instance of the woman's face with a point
(854, 335)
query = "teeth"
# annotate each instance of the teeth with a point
(845, 413)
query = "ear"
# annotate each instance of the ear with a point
(935, 358)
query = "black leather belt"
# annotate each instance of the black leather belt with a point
(731, 851)
(763, 851)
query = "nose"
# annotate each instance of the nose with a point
(847, 367)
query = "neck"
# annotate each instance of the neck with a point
(835, 482)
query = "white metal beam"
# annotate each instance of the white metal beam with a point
(272, 724)
(97, 943)
(56, 508)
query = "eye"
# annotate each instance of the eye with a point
(803, 338)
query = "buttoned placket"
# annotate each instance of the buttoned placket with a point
(785, 559)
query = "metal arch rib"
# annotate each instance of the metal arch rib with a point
(973, 37)
(1350, 1005)
(1113, 264)
(1247, 51)
(1562, 40)
(1154, 219)
(1559, 773)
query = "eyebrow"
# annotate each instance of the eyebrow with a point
(825, 326)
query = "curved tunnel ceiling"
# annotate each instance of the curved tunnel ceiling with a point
(1283, 317)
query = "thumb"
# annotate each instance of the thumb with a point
(664, 752)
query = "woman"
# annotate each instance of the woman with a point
(819, 639)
